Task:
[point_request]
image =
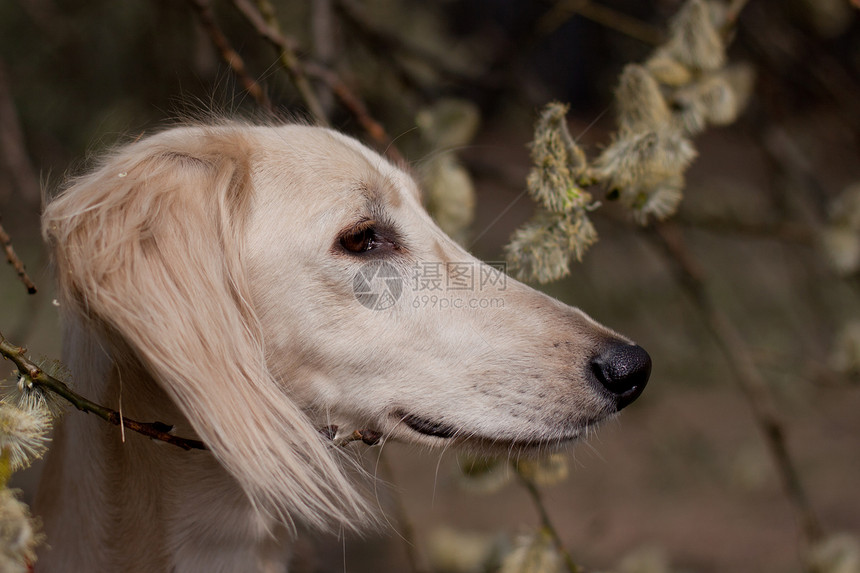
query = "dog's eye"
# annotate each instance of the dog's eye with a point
(360, 241)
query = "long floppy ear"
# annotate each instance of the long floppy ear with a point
(148, 247)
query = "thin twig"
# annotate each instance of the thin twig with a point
(16, 263)
(546, 522)
(266, 23)
(357, 108)
(753, 385)
(154, 430)
(784, 231)
(13, 146)
(603, 15)
(47, 382)
(324, 44)
(312, 70)
(367, 436)
(230, 56)
(406, 528)
(394, 44)
(783, 52)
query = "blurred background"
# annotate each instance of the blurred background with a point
(684, 479)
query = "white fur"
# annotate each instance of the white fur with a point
(203, 284)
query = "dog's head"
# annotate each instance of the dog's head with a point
(273, 280)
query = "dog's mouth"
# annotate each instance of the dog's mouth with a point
(446, 431)
(427, 427)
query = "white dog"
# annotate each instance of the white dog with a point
(251, 285)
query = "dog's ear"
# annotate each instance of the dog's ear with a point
(149, 247)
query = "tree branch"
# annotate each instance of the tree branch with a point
(324, 35)
(16, 263)
(155, 430)
(357, 108)
(390, 43)
(603, 15)
(303, 70)
(47, 382)
(12, 142)
(228, 54)
(266, 23)
(752, 383)
(406, 527)
(546, 523)
(369, 437)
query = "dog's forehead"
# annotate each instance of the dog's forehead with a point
(332, 180)
(332, 159)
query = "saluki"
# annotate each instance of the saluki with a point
(252, 284)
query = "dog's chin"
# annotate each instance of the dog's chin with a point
(436, 432)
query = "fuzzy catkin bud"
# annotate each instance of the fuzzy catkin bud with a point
(719, 101)
(660, 202)
(541, 250)
(481, 474)
(451, 550)
(28, 396)
(536, 253)
(644, 160)
(558, 163)
(694, 40)
(449, 123)
(845, 209)
(741, 80)
(545, 470)
(23, 434)
(667, 70)
(19, 534)
(450, 195)
(837, 553)
(716, 98)
(840, 239)
(641, 106)
(689, 117)
(535, 554)
(446, 125)
(845, 355)
(842, 247)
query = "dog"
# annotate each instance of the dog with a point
(251, 285)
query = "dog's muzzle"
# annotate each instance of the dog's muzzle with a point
(622, 370)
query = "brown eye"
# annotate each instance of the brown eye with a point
(359, 242)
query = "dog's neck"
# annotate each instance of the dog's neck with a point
(144, 505)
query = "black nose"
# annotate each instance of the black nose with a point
(623, 370)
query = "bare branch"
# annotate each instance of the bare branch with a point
(357, 108)
(369, 437)
(228, 54)
(155, 430)
(546, 522)
(16, 263)
(406, 527)
(303, 70)
(266, 23)
(603, 15)
(324, 44)
(14, 150)
(391, 43)
(753, 385)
